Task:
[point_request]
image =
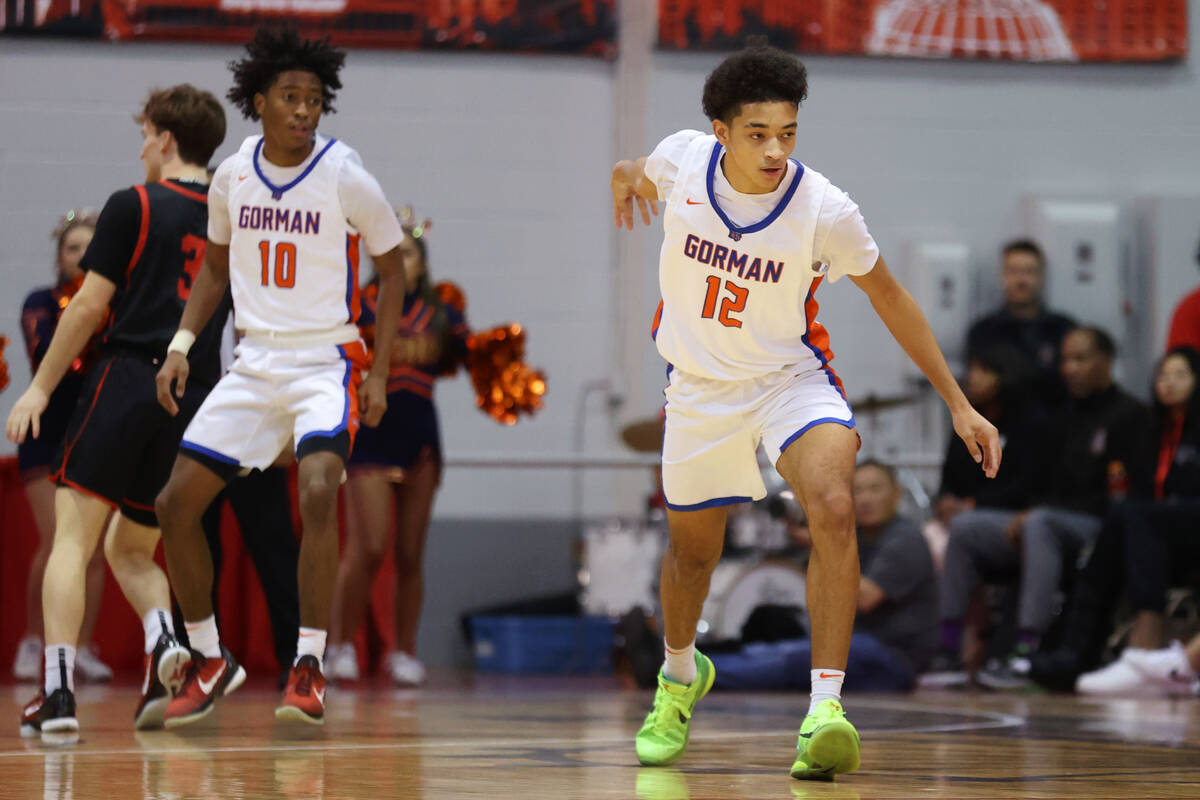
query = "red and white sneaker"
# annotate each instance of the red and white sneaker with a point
(164, 672)
(207, 679)
(304, 698)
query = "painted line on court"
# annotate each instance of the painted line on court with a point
(993, 720)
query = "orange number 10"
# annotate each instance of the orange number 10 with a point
(730, 305)
(285, 264)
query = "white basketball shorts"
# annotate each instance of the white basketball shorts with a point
(713, 429)
(275, 394)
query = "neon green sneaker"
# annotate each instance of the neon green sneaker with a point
(664, 735)
(827, 745)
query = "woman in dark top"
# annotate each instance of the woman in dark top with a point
(1160, 526)
(39, 317)
(395, 470)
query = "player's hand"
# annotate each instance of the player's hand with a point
(174, 374)
(981, 438)
(624, 194)
(27, 414)
(372, 400)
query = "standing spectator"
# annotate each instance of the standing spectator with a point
(39, 317)
(1096, 441)
(1024, 322)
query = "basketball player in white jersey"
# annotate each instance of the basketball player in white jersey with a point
(749, 237)
(286, 215)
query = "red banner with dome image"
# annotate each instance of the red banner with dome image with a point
(1015, 30)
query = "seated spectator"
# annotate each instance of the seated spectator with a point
(1158, 529)
(1024, 323)
(896, 630)
(997, 385)
(1095, 440)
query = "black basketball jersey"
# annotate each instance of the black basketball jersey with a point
(150, 242)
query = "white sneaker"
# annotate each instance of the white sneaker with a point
(27, 666)
(404, 669)
(89, 667)
(1167, 668)
(1119, 679)
(341, 662)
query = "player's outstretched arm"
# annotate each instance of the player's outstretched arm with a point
(79, 321)
(373, 394)
(207, 292)
(629, 183)
(903, 317)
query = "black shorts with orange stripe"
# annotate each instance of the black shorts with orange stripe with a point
(120, 444)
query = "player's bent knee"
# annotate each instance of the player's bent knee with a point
(318, 498)
(833, 514)
(692, 559)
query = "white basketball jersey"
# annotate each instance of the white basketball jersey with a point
(293, 255)
(738, 298)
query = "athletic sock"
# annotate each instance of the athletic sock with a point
(60, 668)
(204, 637)
(680, 664)
(156, 622)
(826, 685)
(311, 642)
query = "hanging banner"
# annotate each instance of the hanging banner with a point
(1015, 30)
(586, 27)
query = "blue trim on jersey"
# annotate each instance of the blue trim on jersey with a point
(758, 226)
(349, 284)
(816, 351)
(714, 503)
(329, 434)
(213, 454)
(850, 423)
(277, 191)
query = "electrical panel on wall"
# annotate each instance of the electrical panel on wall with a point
(939, 276)
(1082, 242)
(1166, 260)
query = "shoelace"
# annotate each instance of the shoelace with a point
(304, 682)
(665, 702)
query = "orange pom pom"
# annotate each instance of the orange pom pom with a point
(452, 295)
(505, 386)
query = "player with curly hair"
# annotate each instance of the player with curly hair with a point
(287, 213)
(750, 234)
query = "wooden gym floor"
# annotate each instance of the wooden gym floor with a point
(532, 738)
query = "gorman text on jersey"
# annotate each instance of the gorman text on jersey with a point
(729, 259)
(265, 218)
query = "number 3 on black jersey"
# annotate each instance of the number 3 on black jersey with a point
(285, 264)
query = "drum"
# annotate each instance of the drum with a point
(619, 566)
(744, 589)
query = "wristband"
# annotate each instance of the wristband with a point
(181, 342)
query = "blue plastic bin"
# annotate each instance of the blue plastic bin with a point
(547, 645)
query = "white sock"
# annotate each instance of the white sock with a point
(60, 668)
(156, 622)
(826, 685)
(311, 642)
(204, 637)
(680, 665)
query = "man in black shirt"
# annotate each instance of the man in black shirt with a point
(1097, 437)
(1024, 323)
(120, 444)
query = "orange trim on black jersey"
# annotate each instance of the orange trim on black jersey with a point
(138, 506)
(188, 193)
(63, 481)
(58, 475)
(143, 231)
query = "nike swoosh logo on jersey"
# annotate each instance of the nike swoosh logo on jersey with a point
(692, 202)
(208, 687)
(242, 177)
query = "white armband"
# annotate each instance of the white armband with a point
(181, 342)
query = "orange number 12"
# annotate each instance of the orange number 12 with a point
(732, 304)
